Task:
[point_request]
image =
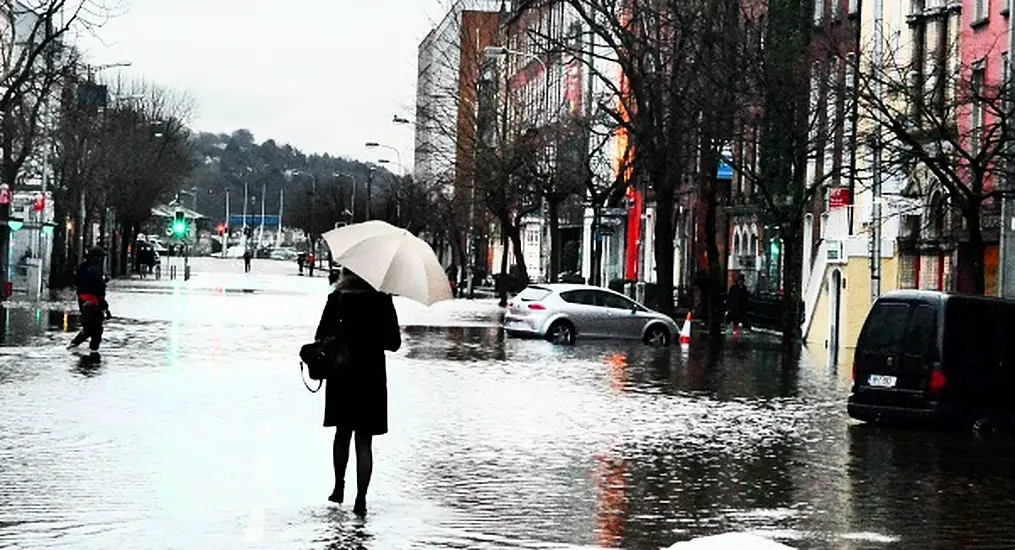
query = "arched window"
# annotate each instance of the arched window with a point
(736, 243)
(753, 250)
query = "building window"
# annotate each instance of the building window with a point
(916, 7)
(819, 11)
(1005, 74)
(981, 9)
(854, 7)
(977, 112)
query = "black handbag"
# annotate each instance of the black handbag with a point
(323, 358)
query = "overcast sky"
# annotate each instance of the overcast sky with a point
(323, 75)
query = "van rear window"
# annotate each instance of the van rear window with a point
(885, 327)
(921, 332)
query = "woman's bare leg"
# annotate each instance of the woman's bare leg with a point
(340, 458)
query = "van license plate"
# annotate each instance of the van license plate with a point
(882, 381)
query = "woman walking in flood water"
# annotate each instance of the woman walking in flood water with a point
(356, 397)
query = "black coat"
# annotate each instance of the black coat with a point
(89, 279)
(357, 397)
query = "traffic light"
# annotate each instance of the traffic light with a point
(179, 225)
(221, 229)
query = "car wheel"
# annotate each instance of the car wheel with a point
(657, 336)
(983, 425)
(561, 332)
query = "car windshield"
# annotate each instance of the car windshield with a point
(533, 294)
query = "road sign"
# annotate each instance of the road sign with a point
(606, 230)
(611, 222)
(5, 194)
(614, 212)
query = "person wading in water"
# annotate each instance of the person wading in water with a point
(91, 289)
(356, 397)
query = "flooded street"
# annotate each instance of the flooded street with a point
(195, 431)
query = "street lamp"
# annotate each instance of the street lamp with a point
(374, 145)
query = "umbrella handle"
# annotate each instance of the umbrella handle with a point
(304, 379)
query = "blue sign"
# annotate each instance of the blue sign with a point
(725, 169)
(252, 220)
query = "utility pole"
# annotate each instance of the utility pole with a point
(260, 229)
(370, 186)
(1006, 259)
(877, 68)
(243, 239)
(225, 234)
(281, 202)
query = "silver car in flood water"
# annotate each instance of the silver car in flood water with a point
(563, 312)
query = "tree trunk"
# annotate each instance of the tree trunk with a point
(792, 267)
(60, 261)
(596, 269)
(664, 253)
(515, 233)
(502, 290)
(976, 250)
(553, 211)
(715, 285)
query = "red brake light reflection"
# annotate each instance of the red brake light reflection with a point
(537, 307)
(937, 381)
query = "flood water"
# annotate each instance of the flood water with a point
(195, 431)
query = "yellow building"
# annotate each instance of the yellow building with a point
(837, 291)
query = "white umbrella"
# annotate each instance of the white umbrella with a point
(391, 259)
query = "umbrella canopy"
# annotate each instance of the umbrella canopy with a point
(391, 259)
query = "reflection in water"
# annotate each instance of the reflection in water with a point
(494, 443)
(87, 367)
(616, 370)
(610, 504)
(964, 486)
(455, 343)
(343, 532)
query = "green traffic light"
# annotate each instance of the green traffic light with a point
(179, 228)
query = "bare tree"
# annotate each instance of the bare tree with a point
(791, 132)
(945, 131)
(121, 159)
(464, 154)
(658, 47)
(33, 58)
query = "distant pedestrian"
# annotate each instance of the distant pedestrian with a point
(356, 398)
(247, 257)
(91, 290)
(311, 260)
(738, 302)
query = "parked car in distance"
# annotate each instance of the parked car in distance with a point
(929, 358)
(561, 313)
(283, 253)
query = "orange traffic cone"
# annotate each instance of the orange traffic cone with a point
(685, 331)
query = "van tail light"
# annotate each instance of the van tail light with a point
(537, 307)
(937, 381)
(852, 376)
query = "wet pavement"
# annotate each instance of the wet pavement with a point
(195, 431)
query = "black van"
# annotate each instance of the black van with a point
(939, 359)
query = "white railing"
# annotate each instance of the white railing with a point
(814, 282)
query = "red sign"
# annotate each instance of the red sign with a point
(838, 197)
(5, 194)
(39, 204)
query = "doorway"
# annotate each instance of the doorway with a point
(834, 316)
